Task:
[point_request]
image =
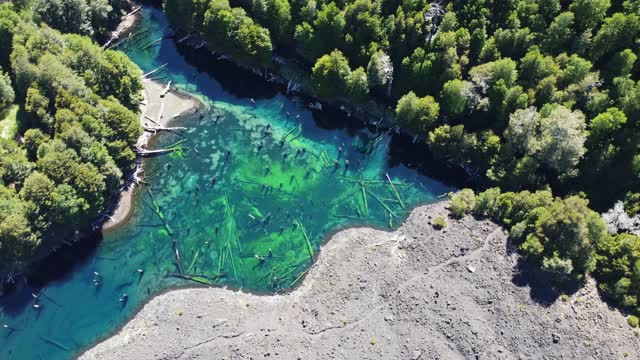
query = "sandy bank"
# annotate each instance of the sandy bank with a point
(416, 293)
(155, 111)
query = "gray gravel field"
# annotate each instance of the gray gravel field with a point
(416, 293)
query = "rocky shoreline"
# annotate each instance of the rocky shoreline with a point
(416, 293)
(157, 109)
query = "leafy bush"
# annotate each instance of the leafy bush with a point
(558, 235)
(616, 270)
(439, 223)
(462, 202)
(633, 321)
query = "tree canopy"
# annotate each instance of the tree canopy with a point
(79, 123)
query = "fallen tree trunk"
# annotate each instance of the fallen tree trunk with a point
(114, 36)
(165, 91)
(161, 114)
(155, 70)
(153, 121)
(155, 129)
(134, 11)
(147, 153)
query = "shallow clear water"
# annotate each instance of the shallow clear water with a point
(246, 203)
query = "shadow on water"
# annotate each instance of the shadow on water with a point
(232, 78)
(402, 149)
(52, 268)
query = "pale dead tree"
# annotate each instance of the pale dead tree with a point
(433, 17)
(482, 81)
(380, 71)
(474, 100)
(585, 88)
(523, 131)
(618, 220)
(387, 70)
(562, 137)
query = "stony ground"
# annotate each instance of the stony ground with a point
(417, 293)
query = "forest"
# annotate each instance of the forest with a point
(484, 81)
(537, 101)
(530, 98)
(76, 124)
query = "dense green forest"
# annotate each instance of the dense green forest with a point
(76, 125)
(531, 96)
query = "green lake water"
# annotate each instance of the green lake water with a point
(247, 204)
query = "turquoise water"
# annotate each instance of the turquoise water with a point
(246, 203)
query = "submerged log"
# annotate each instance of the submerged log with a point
(306, 238)
(156, 208)
(395, 191)
(178, 260)
(55, 343)
(201, 279)
(114, 36)
(187, 37)
(154, 42)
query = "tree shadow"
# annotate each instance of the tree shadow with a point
(544, 287)
(54, 267)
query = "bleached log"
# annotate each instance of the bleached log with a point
(154, 129)
(166, 90)
(161, 114)
(134, 11)
(155, 70)
(145, 153)
(150, 119)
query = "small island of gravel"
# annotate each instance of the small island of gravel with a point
(416, 293)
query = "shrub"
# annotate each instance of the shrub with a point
(462, 202)
(633, 321)
(487, 201)
(7, 95)
(439, 223)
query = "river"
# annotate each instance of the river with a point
(248, 201)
